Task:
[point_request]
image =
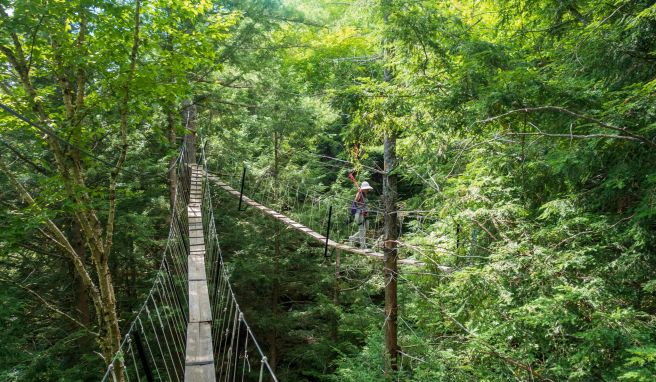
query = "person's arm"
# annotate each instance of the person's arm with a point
(350, 176)
(358, 197)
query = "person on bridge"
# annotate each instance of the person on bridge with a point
(359, 211)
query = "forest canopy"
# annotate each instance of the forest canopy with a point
(510, 147)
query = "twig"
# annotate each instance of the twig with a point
(50, 306)
(485, 229)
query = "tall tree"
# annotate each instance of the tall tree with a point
(72, 78)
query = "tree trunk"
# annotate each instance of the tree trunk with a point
(334, 330)
(390, 252)
(189, 120)
(81, 293)
(71, 170)
(391, 235)
(130, 274)
(275, 287)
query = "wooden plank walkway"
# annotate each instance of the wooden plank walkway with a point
(199, 358)
(301, 228)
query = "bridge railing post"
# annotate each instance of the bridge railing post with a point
(330, 216)
(241, 189)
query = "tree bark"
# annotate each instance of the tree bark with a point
(189, 120)
(81, 294)
(391, 235)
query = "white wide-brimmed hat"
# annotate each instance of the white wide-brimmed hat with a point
(365, 186)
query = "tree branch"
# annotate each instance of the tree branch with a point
(50, 306)
(298, 21)
(59, 239)
(40, 169)
(485, 229)
(558, 109)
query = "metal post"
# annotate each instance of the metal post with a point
(142, 356)
(330, 215)
(457, 238)
(241, 190)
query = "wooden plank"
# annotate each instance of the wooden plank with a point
(196, 266)
(199, 344)
(200, 373)
(317, 235)
(196, 232)
(199, 302)
(196, 241)
(197, 248)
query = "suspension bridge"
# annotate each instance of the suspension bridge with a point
(190, 326)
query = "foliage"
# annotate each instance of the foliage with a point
(526, 146)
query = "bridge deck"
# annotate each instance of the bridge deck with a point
(199, 358)
(301, 228)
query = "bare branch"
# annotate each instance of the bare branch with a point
(485, 229)
(58, 237)
(558, 109)
(51, 306)
(578, 136)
